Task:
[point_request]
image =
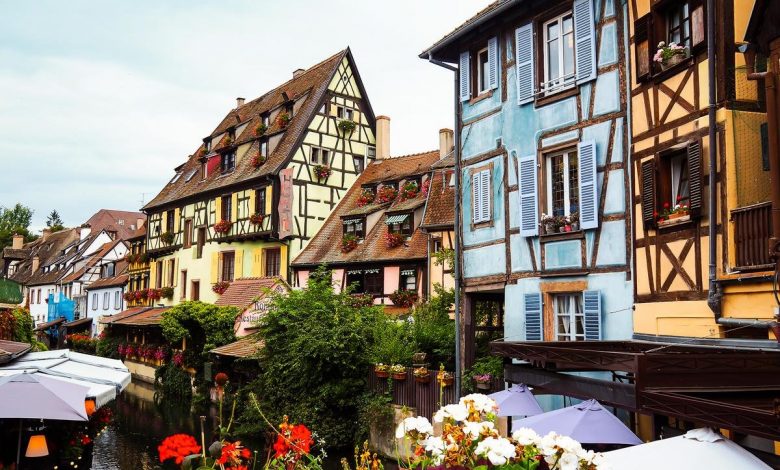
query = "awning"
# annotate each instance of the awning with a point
(49, 324)
(244, 347)
(80, 322)
(396, 219)
(102, 393)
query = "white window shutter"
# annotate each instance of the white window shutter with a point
(589, 194)
(465, 76)
(591, 301)
(585, 40)
(493, 62)
(529, 207)
(524, 61)
(485, 192)
(534, 326)
(476, 194)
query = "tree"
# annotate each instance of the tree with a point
(15, 220)
(54, 222)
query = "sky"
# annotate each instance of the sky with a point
(100, 100)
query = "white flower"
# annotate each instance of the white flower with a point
(525, 436)
(497, 450)
(481, 403)
(661, 44)
(569, 461)
(568, 444)
(547, 444)
(413, 423)
(476, 429)
(455, 412)
(434, 445)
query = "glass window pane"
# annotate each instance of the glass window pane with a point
(568, 25)
(574, 184)
(568, 54)
(552, 31)
(553, 69)
(557, 185)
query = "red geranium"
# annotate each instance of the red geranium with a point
(177, 446)
(292, 441)
(233, 454)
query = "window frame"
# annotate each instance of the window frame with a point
(117, 300)
(228, 162)
(542, 49)
(489, 220)
(573, 335)
(481, 87)
(277, 254)
(260, 200)
(404, 278)
(354, 221)
(94, 299)
(227, 207)
(547, 199)
(188, 224)
(106, 300)
(227, 271)
(170, 221)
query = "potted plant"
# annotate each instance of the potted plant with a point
(386, 194)
(258, 160)
(381, 370)
(223, 226)
(346, 126)
(257, 218)
(220, 287)
(548, 223)
(403, 298)
(419, 357)
(409, 190)
(260, 129)
(283, 119)
(426, 186)
(574, 221)
(366, 197)
(155, 294)
(228, 141)
(167, 238)
(393, 239)
(348, 242)
(129, 296)
(322, 172)
(422, 375)
(446, 379)
(669, 55)
(482, 381)
(141, 258)
(560, 223)
(398, 372)
(166, 292)
(203, 152)
(130, 258)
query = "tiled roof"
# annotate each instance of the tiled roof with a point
(124, 223)
(245, 347)
(15, 253)
(49, 324)
(10, 350)
(123, 314)
(80, 322)
(138, 233)
(149, 317)
(440, 208)
(306, 90)
(367, 209)
(242, 292)
(492, 8)
(47, 251)
(92, 261)
(115, 281)
(325, 247)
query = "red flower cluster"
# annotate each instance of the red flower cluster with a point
(234, 454)
(177, 446)
(221, 379)
(293, 441)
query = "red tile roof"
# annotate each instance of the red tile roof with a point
(47, 251)
(149, 317)
(243, 292)
(123, 314)
(325, 247)
(114, 281)
(124, 223)
(440, 208)
(245, 347)
(306, 89)
(10, 350)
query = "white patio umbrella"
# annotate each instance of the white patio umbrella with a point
(698, 448)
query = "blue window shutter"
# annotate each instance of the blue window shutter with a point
(465, 76)
(585, 40)
(589, 194)
(529, 207)
(476, 194)
(484, 190)
(533, 317)
(591, 301)
(524, 61)
(493, 61)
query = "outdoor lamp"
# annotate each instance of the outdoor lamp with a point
(37, 446)
(89, 404)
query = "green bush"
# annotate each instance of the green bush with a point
(492, 365)
(207, 325)
(173, 383)
(108, 346)
(433, 330)
(393, 342)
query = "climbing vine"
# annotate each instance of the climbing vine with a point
(209, 326)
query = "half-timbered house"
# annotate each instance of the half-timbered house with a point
(262, 183)
(543, 188)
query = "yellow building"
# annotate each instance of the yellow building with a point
(262, 183)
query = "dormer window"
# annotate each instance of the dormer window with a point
(207, 144)
(107, 270)
(264, 147)
(401, 224)
(228, 161)
(232, 133)
(355, 227)
(266, 118)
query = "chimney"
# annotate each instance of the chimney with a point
(382, 137)
(445, 142)
(18, 242)
(36, 263)
(297, 72)
(139, 222)
(45, 233)
(239, 102)
(84, 231)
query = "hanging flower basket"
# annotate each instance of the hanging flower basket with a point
(257, 219)
(403, 298)
(166, 292)
(386, 194)
(381, 371)
(260, 129)
(426, 186)
(155, 294)
(223, 226)
(346, 126)
(422, 375)
(258, 160)
(228, 141)
(398, 372)
(322, 172)
(167, 237)
(220, 287)
(348, 243)
(410, 190)
(366, 197)
(445, 378)
(393, 240)
(138, 295)
(283, 119)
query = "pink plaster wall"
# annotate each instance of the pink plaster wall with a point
(391, 279)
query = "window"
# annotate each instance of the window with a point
(170, 217)
(436, 246)
(266, 118)
(195, 290)
(315, 155)
(356, 281)
(183, 283)
(678, 24)
(479, 70)
(200, 242)
(483, 70)
(340, 112)
(320, 156)
(228, 161)
(228, 264)
(203, 171)
(559, 68)
(273, 261)
(187, 233)
(107, 270)
(171, 272)
(94, 299)
(401, 223)
(106, 298)
(562, 183)
(117, 300)
(569, 317)
(359, 163)
(671, 179)
(408, 280)
(264, 147)
(207, 144)
(678, 21)
(354, 227)
(227, 207)
(481, 196)
(349, 114)
(260, 201)
(366, 281)
(370, 152)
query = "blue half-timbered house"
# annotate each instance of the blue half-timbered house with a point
(545, 238)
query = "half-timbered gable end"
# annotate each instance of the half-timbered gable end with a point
(261, 184)
(544, 190)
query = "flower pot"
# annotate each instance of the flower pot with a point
(382, 374)
(676, 215)
(483, 386)
(549, 228)
(423, 379)
(575, 226)
(399, 376)
(673, 60)
(567, 228)
(447, 381)
(561, 229)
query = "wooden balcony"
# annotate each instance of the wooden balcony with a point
(752, 229)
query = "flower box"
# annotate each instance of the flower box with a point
(283, 119)
(223, 226)
(348, 243)
(386, 194)
(260, 129)
(681, 219)
(322, 172)
(394, 239)
(259, 160)
(366, 197)
(220, 287)
(403, 298)
(167, 238)
(257, 219)
(399, 376)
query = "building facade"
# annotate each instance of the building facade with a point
(262, 183)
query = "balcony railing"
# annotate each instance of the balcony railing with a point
(752, 229)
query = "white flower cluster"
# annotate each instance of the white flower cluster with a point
(496, 449)
(560, 452)
(414, 424)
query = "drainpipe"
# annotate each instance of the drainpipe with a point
(456, 267)
(714, 297)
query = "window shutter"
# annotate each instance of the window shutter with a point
(589, 194)
(476, 194)
(524, 51)
(694, 177)
(493, 62)
(648, 193)
(591, 301)
(238, 267)
(214, 267)
(642, 47)
(529, 207)
(484, 189)
(465, 76)
(585, 40)
(533, 317)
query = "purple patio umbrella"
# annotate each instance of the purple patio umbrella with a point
(587, 422)
(517, 400)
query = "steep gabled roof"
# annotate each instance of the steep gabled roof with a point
(307, 91)
(46, 250)
(242, 292)
(440, 206)
(325, 247)
(124, 223)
